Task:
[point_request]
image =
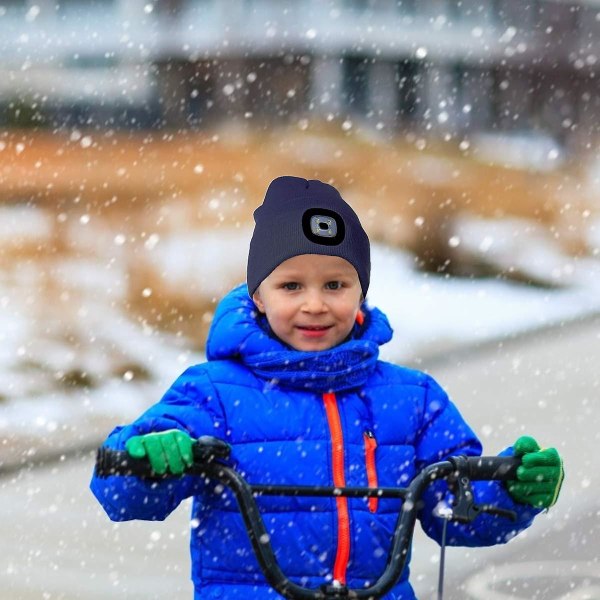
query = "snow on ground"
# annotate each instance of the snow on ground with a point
(431, 313)
(75, 364)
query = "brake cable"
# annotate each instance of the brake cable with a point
(444, 512)
(442, 561)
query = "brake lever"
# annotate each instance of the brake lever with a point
(464, 509)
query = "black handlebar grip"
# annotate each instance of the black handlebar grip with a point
(119, 462)
(209, 448)
(500, 468)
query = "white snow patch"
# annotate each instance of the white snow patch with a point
(210, 260)
(24, 224)
(526, 150)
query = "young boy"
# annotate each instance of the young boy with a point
(293, 383)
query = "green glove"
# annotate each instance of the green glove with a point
(540, 475)
(167, 451)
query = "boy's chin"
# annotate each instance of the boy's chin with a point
(314, 345)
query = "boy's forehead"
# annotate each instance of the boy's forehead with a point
(311, 262)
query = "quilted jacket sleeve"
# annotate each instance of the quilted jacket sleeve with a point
(191, 405)
(445, 433)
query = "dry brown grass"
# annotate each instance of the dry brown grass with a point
(138, 184)
(107, 172)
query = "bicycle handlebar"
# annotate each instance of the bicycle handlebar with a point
(209, 451)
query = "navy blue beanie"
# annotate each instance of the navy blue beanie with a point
(300, 216)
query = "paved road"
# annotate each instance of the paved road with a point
(56, 543)
(548, 386)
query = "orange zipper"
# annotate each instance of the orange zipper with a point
(370, 447)
(342, 555)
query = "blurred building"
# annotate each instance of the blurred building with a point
(447, 66)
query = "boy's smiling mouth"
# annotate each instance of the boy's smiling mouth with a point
(314, 331)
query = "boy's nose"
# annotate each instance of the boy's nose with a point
(313, 302)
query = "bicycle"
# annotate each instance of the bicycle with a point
(210, 455)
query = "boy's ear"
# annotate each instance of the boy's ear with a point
(256, 299)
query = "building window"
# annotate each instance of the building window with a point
(82, 8)
(12, 7)
(458, 87)
(454, 9)
(407, 7)
(355, 83)
(471, 11)
(358, 5)
(409, 78)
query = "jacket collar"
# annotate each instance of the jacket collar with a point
(240, 332)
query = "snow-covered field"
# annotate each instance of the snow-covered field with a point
(74, 363)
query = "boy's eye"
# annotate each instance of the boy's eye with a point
(334, 285)
(292, 285)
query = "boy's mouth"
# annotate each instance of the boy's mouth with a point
(314, 331)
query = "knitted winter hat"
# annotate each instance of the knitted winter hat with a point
(300, 216)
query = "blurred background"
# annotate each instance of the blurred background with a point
(137, 137)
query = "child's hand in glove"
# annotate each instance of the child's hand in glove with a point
(540, 475)
(167, 451)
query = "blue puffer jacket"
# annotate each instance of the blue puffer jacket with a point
(336, 417)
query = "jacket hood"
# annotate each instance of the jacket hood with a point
(240, 332)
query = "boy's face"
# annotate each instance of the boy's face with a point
(311, 301)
